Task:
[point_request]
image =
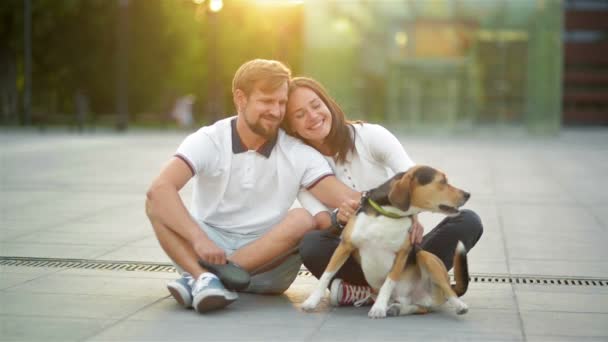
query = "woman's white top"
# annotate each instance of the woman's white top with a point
(377, 156)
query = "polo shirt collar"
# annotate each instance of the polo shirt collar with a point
(239, 147)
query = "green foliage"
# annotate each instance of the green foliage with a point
(167, 49)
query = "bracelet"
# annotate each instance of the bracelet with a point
(334, 219)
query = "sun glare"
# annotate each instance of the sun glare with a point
(280, 2)
(216, 5)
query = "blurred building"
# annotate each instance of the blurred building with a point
(457, 63)
(585, 80)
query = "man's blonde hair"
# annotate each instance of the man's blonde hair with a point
(272, 75)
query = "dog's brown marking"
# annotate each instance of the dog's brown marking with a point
(399, 193)
(344, 249)
(399, 263)
(438, 274)
(424, 175)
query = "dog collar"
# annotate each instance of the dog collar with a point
(382, 211)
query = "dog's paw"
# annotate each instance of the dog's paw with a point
(394, 310)
(310, 304)
(377, 311)
(462, 309)
(460, 306)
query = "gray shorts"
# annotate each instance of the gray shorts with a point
(274, 281)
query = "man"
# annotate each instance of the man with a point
(247, 173)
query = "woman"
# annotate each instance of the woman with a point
(362, 156)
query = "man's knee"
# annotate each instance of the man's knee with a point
(278, 279)
(300, 221)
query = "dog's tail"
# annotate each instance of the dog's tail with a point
(461, 270)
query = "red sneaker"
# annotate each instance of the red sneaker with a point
(342, 293)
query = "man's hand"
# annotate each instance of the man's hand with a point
(209, 251)
(347, 209)
(416, 231)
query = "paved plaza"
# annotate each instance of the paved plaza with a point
(543, 202)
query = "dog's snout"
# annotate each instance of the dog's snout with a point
(466, 195)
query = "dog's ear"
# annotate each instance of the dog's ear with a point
(399, 194)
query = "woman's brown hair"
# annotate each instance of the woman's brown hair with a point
(340, 140)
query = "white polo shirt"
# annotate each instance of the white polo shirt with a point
(245, 191)
(378, 155)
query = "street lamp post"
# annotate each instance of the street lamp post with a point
(122, 67)
(27, 65)
(215, 93)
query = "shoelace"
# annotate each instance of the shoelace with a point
(202, 282)
(362, 300)
(357, 295)
(189, 279)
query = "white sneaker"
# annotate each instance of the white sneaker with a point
(181, 289)
(209, 294)
(342, 293)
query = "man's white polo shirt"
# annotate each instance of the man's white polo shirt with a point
(245, 191)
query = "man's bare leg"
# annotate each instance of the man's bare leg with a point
(178, 249)
(279, 240)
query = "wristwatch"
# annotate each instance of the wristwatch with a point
(334, 219)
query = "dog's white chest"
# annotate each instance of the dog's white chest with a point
(378, 239)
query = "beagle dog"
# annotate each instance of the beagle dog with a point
(378, 236)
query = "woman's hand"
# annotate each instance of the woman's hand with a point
(347, 209)
(416, 231)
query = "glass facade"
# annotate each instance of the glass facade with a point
(440, 63)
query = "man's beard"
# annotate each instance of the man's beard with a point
(257, 128)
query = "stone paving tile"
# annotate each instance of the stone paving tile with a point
(562, 219)
(128, 226)
(559, 267)
(482, 296)
(148, 241)
(8, 234)
(567, 299)
(565, 324)
(553, 338)
(488, 266)
(104, 285)
(262, 310)
(131, 252)
(478, 324)
(168, 276)
(45, 250)
(14, 276)
(600, 211)
(224, 330)
(36, 328)
(87, 238)
(16, 303)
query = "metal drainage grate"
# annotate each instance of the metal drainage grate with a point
(87, 264)
(111, 265)
(538, 280)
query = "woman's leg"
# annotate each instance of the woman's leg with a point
(317, 247)
(442, 240)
